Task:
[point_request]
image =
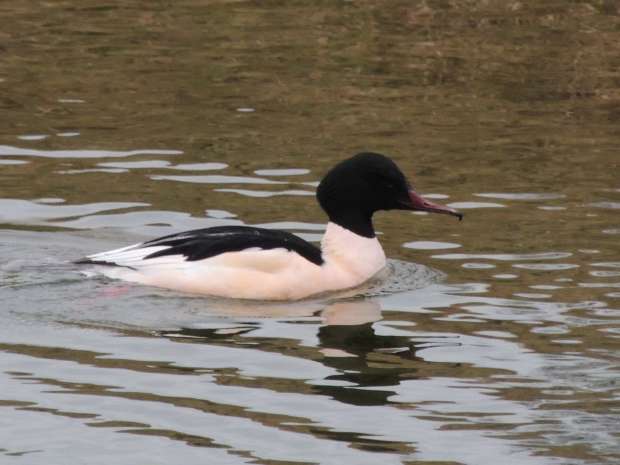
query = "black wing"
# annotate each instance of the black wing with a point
(204, 243)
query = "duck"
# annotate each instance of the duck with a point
(245, 262)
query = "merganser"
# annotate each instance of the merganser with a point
(245, 262)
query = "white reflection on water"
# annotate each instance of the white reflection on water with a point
(71, 100)
(551, 208)
(505, 276)
(608, 205)
(33, 137)
(24, 211)
(130, 165)
(258, 194)
(505, 256)
(607, 264)
(93, 170)
(430, 245)
(282, 172)
(546, 266)
(473, 205)
(219, 214)
(215, 179)
(521, 195)
(17, 151)
(145, 164)
(478, 266)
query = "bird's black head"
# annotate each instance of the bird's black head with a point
(356, 188)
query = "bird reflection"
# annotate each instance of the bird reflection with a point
(364, 359)
(347, 342)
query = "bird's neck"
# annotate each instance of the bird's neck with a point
(352, 252)
(357, 222)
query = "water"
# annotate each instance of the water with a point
(492, 340)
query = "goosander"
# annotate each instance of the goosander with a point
(245, 262)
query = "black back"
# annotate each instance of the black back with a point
(205, 243)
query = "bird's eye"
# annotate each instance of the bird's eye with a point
(385, 180)
(392, 184)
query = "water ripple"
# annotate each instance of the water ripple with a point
(521, 195)
(546, 266)
(216, 179)
(506, 257)
(207, 166)
(16, 151)
(24, 211)
(430, 245)
(473, 205)
(282, 172)
(258, 194)
(607, 264)
(607, 205)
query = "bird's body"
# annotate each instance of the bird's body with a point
(290, 271)
(254, 263)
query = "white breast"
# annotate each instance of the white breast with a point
(353, 258)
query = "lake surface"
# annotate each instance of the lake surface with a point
(492, 340)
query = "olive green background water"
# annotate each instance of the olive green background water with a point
(121, 121)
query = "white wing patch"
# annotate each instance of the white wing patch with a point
(128, 256)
